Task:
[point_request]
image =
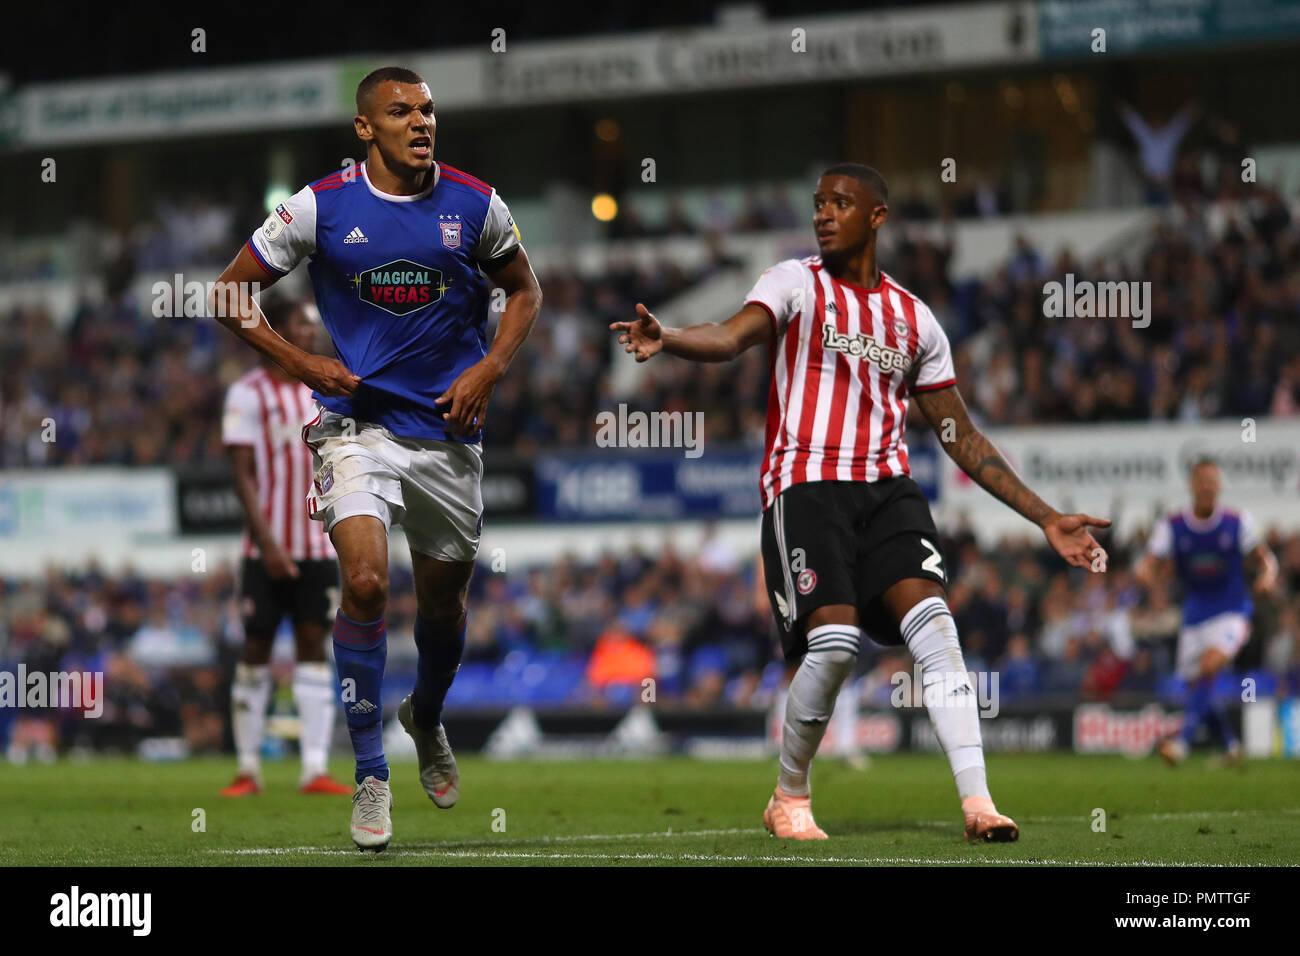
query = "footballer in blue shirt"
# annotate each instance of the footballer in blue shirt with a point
(1209, 549)
(400, 250)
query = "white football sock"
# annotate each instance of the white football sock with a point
(931, 636)
(313, 692)
(249, 696)
(832, 652)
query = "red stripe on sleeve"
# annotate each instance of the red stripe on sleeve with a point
(463, 177)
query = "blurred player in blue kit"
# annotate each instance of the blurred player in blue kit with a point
(1209, 549)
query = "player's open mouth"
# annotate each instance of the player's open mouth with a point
(421, 146)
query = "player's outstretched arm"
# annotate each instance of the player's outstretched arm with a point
(468, 396)
(710, 342)
(232, 304)
(1152, 571)
(974, 454)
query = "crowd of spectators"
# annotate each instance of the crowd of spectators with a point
(696, 624)
(119, 386)
(1222, 339)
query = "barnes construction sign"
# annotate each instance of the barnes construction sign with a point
(1139, 471)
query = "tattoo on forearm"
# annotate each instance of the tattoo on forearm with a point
(975, 454)
(994, 475)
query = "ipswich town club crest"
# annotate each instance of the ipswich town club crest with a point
(450, 234)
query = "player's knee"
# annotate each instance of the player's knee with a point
(366, 590)
(834, 664)
(257, 649)
(1212, 662)
(837, 658)
(310, 647)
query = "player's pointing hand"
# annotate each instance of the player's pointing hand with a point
(1069, 535)
(645, 336)
(327, 375)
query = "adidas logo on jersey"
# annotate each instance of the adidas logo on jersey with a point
(356, 235)
(362, 706)
(864, 346)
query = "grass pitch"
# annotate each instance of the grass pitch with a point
(902, 810)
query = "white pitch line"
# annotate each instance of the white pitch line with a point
(1121, 815)
(451, 847)
(562, 838)
(710, 858)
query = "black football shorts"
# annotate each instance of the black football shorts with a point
(845, 542)
(309, 598)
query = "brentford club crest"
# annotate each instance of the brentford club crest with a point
(806, 581)
(450, 234)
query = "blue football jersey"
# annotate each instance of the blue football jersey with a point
(1209, 561)
(399, 284)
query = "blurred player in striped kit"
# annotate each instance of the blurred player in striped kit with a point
(289, 565)
(1208, 548)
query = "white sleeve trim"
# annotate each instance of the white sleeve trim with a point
(1249, 535)
(499, 233)
(283, 243)
(1161, 543)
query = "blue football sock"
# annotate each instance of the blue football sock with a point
(1198, 707)
(440, 651)
(360, 651)
(1217, 720)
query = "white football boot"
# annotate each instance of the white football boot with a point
(438, 773)
(372, 822)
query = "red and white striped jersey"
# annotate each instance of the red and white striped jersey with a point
(843, 361)
(268, 415)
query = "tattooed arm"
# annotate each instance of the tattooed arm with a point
(974, 454)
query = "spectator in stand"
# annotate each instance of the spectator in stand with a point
(984, 200)
(1017, 671)
(1157, 141)
(618, 665)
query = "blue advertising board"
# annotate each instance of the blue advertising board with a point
(653, 486)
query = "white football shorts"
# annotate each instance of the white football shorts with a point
(1226, 633)
(428, 487)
